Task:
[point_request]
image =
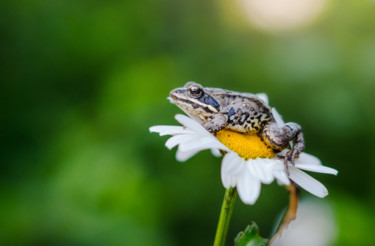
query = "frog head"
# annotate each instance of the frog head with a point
(196, 101)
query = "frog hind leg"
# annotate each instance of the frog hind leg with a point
(279, 137)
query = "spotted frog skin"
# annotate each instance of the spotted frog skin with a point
(218, 109)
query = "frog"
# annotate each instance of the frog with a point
(217, 109)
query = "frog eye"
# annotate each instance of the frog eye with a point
(195, 91)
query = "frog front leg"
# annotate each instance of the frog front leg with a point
(278, 137)
(216, 123)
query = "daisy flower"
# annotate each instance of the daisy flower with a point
(247, 162)
(315, 225)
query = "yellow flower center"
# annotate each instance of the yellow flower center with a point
(248, 146)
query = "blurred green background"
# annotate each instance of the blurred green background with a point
(82, 81)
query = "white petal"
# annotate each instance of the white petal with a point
(191, 124)
(202, 143)
(283, 152)
(185, 155)
(248, 188)
(225, 164)
(235, 164)
(260, 168)
(237, 173)
(169, 130)
(282, 177)
(231, 170)
(200, 130)
(277, 116)
(278, 164)
(263, 96)
(178, 139)
(305, 158)
(196, 143)
(233, 181)
(229, 163)
(317, 169)
(215, 152)
(307, 182)
(225, 180)
(279, 172)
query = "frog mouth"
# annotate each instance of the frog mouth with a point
(170, 99)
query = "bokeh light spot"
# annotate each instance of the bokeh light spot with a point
(282, 15)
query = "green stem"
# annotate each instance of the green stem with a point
(225, 214)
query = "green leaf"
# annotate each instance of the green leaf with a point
(250, 237)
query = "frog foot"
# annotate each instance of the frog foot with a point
(212, 128)
(217, 123)
(291, 157)
(286, 160)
